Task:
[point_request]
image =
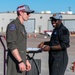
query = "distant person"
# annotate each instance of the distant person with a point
(16, 38)
(57, 46)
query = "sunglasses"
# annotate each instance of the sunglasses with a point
(53, 20)
(28, 13)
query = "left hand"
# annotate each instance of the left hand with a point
(28, 65)
(46, 48)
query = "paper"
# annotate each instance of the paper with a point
(33, 49)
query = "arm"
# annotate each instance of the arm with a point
(47, 47)
(47, 43)
(11, 39)
(43, 43)
(22, 66)
(16, 54)
(64, 39)
(28, 65)
(63, 42)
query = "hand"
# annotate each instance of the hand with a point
(28, 65)
(22, 67)
(41, 45)
(46, 48)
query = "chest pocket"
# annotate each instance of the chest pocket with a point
(22, 35)
(55, 38)
(55, 35)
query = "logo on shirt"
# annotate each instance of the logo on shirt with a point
(12, 27)
(55, 33)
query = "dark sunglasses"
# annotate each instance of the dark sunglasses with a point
(53, 20)
(28, 13)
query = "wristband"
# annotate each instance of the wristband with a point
(20, 62)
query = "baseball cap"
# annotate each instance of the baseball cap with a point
(57, 16)
(25, 8)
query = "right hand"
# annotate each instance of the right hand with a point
(28, 65)
(22, 66)
(41, 45)
(46, 48)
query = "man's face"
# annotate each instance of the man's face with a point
(54, 22)
(25, 15)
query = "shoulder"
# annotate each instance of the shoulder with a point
(12, 25)
(64, 30)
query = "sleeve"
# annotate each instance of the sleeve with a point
(11, 37)
(47, 43)
(64, 38)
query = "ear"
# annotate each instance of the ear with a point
(21, 12)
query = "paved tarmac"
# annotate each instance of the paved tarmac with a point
(33, 42)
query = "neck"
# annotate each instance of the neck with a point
(21, 20)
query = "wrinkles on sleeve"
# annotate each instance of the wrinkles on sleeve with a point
(47, 43)
(64, 41)
(11, 38)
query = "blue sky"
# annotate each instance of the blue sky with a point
(54, 6)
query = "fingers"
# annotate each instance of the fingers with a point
(41, 45)
(22, 67)
(46, 48)
(28, 67)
